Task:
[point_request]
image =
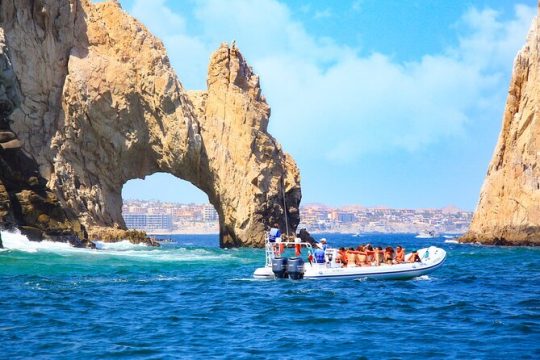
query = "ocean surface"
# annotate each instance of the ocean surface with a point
(191, 299)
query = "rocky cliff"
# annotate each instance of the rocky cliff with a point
(101, 105)
(508, 211)
(25, 200)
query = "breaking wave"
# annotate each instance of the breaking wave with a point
(120, 245)
(15, 241)
(451, 241)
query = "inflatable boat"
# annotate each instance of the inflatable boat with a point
(279, 266)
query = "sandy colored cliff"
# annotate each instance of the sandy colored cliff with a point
(102, 105)
(508, 212)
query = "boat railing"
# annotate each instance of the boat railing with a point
(273, 248)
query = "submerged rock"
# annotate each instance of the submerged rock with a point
(111, 235)
(102, 105)
(508, 212)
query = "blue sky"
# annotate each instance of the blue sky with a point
(395, 103)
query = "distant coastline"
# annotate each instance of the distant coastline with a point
(169, 218)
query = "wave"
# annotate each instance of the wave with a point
(14, 240)
(451, 241)
(150, 254)
(120, 245)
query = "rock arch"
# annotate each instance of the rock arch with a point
(102, 105)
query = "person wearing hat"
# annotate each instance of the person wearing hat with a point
(319, 255)
(323, 244)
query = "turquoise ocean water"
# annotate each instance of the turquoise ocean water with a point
(190, 299)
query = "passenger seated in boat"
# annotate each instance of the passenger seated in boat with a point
(319, 256)
(351, 257)
(379, 255)
(414, 257)
(370, 254)
(360, 256)
(389, 255)
(342, 256)
(400, 255)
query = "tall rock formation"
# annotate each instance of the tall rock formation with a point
(101, 105)
(508, 211)
(25, 200)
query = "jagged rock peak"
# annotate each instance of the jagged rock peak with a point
(508, 212)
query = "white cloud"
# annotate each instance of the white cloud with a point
(322, 14)
(356, 6)
(329, 102)
(159, 18)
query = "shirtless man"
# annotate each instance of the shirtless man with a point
(343, 256)
(400, 254)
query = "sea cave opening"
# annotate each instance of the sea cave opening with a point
(169, 208)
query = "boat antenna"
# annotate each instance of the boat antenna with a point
(284, 205)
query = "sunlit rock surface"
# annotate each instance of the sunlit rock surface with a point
(508, 212)
(25, 201)
(101, 105)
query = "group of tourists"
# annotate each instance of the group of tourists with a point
(368, 255)
(363, 255)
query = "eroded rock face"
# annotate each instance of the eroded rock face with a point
(25, 200)
(102, 105)
(508, 211)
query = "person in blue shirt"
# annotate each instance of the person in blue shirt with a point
(319, 256)
(320, 251)
(274, 233)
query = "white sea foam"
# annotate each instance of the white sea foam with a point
(14, 240)
(451, 241)
(120, 245)
(172, 255)
(422, 278)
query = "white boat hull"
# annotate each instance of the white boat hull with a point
(431, 261)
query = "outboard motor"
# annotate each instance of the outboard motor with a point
(279, 267)
(295, 268)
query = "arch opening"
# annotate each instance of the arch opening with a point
(163, 204)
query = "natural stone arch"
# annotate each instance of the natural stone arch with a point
(102, 105)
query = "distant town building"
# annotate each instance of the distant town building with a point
(159, 222)
(344, 217)
(209, 213)
(149, 222)
(135, 221)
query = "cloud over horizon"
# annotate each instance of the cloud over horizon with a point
(352, 103)
(345, 110)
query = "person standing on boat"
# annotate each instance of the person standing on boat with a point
(319, 256)
(274, 233)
